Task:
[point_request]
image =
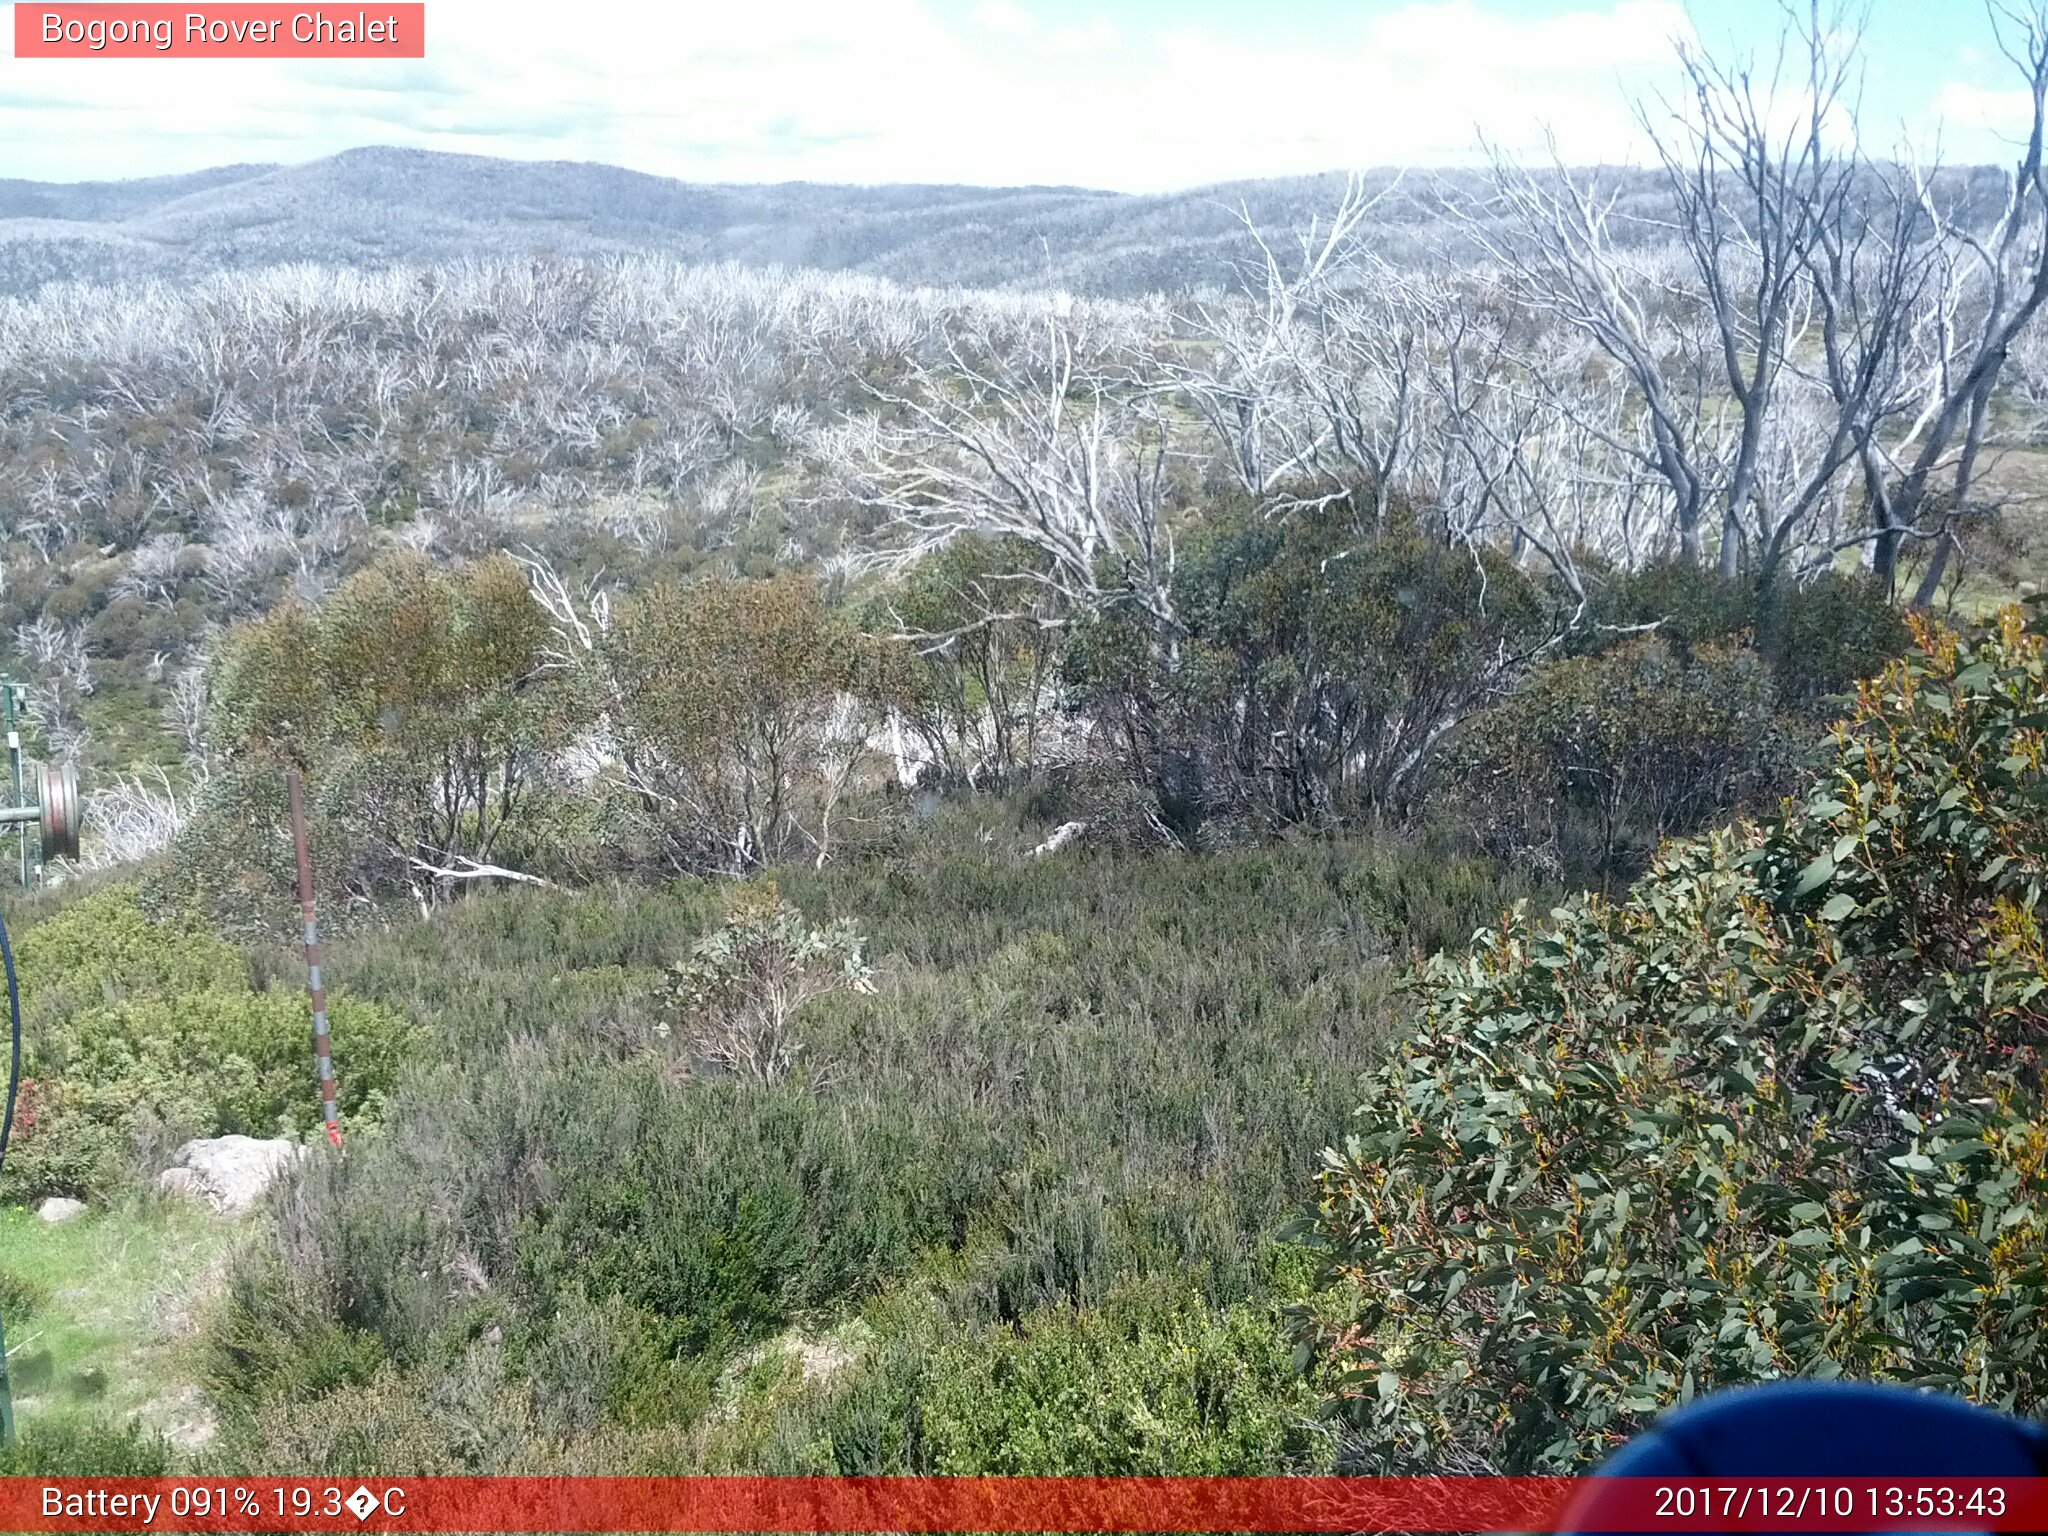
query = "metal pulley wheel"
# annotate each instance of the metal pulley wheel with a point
(60, 812)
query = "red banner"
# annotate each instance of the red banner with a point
(1005, 1504)
(220, 31)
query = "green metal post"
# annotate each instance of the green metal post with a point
(10, 690)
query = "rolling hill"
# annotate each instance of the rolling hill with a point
(378, 206)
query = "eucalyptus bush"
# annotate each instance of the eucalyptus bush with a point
(1776, 1113)
(429, 715)
(977, 680)
(744, 712)
(739, 993)
(1596, 758)
(1325, 653)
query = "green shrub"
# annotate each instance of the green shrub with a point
(1153, 1381)
(250, 1363)
(63, 1445)
(462, 1421)
(1326, 650)
(105, 947)
(726, 1216)
(590, 1365)
(1150, 1384)
(740, 992)
(1777, 1113)
(1597, 758)
(232, 861)
(1821, 637)
(1817, 637)
(20, 1296)
(145, 1033)
(296, 1317)
(980, 677)
(229, 1062)
(744, 709)
(426, 710)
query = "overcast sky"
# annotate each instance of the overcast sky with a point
(1138, 95)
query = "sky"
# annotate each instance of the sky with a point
(1135, 95)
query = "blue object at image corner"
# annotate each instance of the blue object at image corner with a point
(1810, 1429)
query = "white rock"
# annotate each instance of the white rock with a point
(59, 1209)
(1062, 835)
(230, 1173)
(181, 1181)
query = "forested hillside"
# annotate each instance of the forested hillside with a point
(376, 207)
(939, 866)
(373, 208)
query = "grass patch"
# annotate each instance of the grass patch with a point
(102, 1317)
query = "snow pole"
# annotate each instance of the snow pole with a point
(316, 990)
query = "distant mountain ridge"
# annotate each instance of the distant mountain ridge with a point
(381, 205)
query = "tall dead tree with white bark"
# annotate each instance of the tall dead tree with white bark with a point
(1059, 440)
(1996, 275)
(1791, 336)
(1314, 365)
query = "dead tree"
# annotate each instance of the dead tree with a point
(1053, 443)
(1778, 345)
(2004, 268)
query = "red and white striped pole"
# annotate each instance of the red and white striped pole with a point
(323, 1055)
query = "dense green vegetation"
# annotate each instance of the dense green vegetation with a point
(1340, 666)
(1778, 1112)
(1071, 1079)
(752, 1102)
(145, 1032)
(1687, 699)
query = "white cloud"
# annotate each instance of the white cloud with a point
(1629, 34)
(1961, 104)
(887, 90)
(1097, 36)
(1005, 18)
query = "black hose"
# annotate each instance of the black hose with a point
(14, 1060)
